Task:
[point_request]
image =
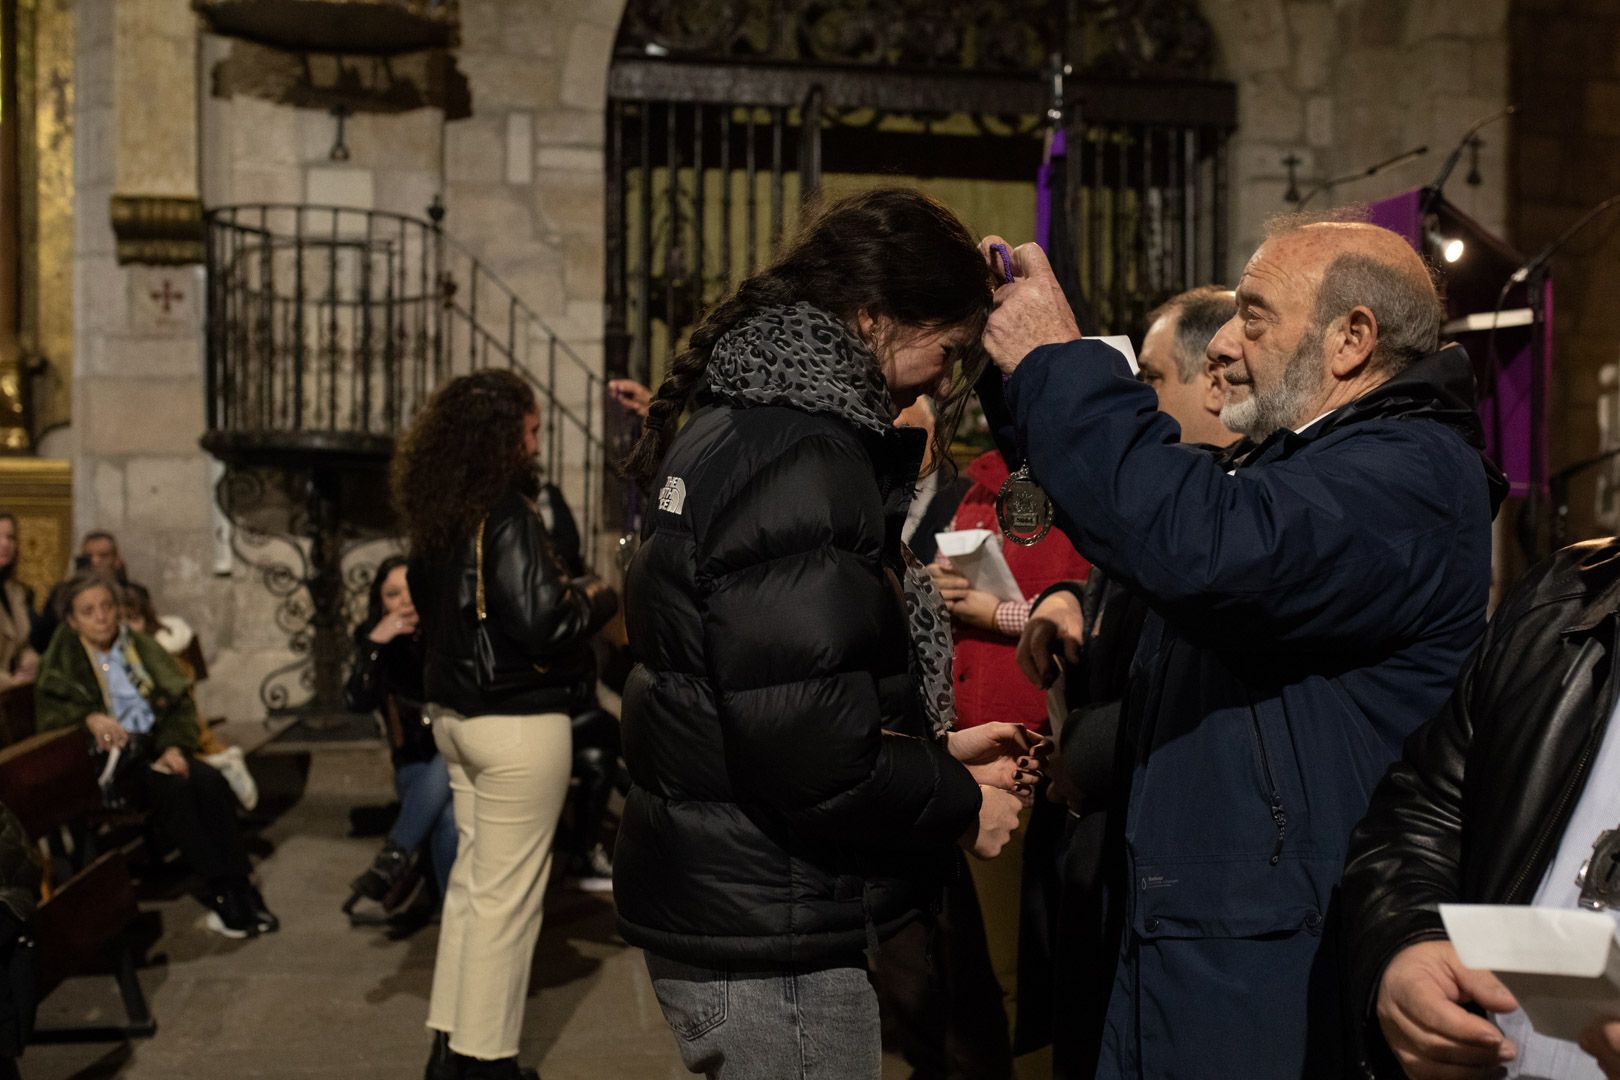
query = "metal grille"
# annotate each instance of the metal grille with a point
(699, 195)
(329, 327)
(1145, 208)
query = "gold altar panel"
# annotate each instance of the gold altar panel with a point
(40, 492)
(47, 277)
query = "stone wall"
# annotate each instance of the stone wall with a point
(1341, 82)
(1566, 82)
(521, 180)
(1344, 84)
(137, 378)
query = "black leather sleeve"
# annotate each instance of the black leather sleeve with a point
(1405, 856)
(364, 692)
(529, 596)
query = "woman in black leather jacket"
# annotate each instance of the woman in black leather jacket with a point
(506, 633)
(387, 678)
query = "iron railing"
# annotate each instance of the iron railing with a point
(328, 327)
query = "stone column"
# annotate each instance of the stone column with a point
(137, 378)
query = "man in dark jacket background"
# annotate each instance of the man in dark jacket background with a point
(1312, 605)
(1498, 800)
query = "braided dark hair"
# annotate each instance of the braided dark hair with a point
(894, 253)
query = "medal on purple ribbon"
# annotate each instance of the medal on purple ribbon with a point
(1023, 510)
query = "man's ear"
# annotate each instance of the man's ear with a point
(1214, 395)
(1357, 338)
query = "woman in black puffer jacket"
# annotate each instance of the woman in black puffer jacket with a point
(482, 563)
(797, 788)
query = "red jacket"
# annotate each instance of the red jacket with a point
(989, 685)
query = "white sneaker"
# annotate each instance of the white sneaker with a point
(233, 767)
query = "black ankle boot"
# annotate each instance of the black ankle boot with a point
(478, 1069)
(387, 870)
(441, 1062)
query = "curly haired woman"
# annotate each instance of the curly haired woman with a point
(505, 633)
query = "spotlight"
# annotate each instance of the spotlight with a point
(1450, 248)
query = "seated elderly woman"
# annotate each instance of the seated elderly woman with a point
(126, 689)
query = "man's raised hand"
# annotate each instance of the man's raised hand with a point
(1029, 312)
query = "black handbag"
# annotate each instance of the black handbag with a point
(483, 647)
(119, 789)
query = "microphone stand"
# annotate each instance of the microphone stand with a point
(1533, 274)
(1431, 193)
(1362, 174)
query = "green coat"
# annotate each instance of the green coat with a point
(67, 690)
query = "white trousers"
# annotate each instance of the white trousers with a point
(508, 779)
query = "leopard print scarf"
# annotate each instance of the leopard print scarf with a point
(806, 359)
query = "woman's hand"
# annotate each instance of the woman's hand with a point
(173, 761)
(394, 624)
(630, 396)
(967, 605)
(27, 669)
(1005, 756)
(998, 819)
(108, 732)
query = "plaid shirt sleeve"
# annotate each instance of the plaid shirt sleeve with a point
(1011, 616)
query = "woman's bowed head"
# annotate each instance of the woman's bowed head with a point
(897, 268)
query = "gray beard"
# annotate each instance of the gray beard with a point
(1266, 412)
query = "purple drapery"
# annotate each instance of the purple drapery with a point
(1044, 193)
(1508, 401)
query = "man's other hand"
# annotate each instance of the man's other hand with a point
(1420, 1009)
(1602, 1041)
(1055, 628)
(1030, 312)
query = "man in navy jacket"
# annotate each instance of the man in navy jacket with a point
(1312, 606)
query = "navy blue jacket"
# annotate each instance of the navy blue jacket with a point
(1309, 611)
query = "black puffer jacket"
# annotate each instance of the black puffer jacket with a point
(540, 621)
(1474, 810)
(786, 799)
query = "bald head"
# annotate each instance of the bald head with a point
(1325, 312)
(1352, 264)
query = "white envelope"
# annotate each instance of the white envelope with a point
(1121, 344)
(976, 554)
(1562, 965)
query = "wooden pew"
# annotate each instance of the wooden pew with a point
(49, 782)
(16, 714)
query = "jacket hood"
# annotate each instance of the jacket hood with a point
(1440, 387)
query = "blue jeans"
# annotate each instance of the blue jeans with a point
(425, 814)
(771, 1022)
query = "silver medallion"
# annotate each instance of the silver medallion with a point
(1022, 509)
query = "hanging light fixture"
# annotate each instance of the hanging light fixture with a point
(1449, 248)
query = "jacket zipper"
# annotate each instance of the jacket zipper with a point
(1278, 818)
(1593, 740)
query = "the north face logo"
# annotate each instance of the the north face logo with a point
(673, 498)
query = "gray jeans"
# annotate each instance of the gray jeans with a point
(758, 1022)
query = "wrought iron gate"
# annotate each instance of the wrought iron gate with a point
(722, 116)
